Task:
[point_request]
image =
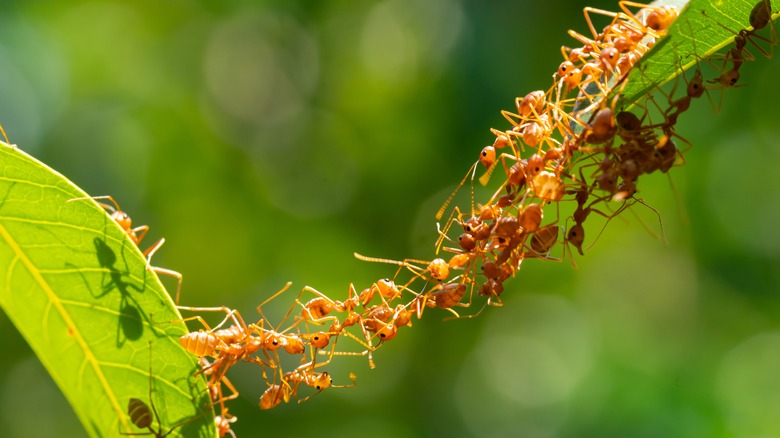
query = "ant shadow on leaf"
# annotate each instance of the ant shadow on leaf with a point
(145, 414)
(131, 317)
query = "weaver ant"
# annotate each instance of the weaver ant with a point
(136, 235)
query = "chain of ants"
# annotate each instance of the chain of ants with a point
(596, 164)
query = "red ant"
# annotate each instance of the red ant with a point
(291, 382)
(136, 235)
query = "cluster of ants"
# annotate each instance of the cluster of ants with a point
(584, 151)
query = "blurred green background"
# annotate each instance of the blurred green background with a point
(268, 141)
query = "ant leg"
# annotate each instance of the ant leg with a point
(174, 274)
(230, 315)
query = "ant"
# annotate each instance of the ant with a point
(211, 341)
(227, 346)
(382, 320)
(472, 172)
(447, 296)
(291, 382)
(136, 235)
(318, 311)
(274, 395)
(626, 31)
(571, 77)
(222, 421)
(543, 239)
(665, 150)
(760, 17)
(737, 55)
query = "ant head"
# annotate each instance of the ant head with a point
(272, 341)
(696, 86)
(576, 236)
(388, 289)
(387, 332)
(323, 381)
(488, 156)
(319, 340)
(535, 165)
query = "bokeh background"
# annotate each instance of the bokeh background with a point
(268, 141)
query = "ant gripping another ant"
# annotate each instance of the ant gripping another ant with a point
(292, 381)
(759, 18)
(497, 235)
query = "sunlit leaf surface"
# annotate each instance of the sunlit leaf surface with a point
(77, 289)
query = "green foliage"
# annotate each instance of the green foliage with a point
(78, 290)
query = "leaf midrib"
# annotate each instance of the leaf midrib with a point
(54, 300)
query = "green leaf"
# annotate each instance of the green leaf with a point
(693, 37)
(78, 290)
